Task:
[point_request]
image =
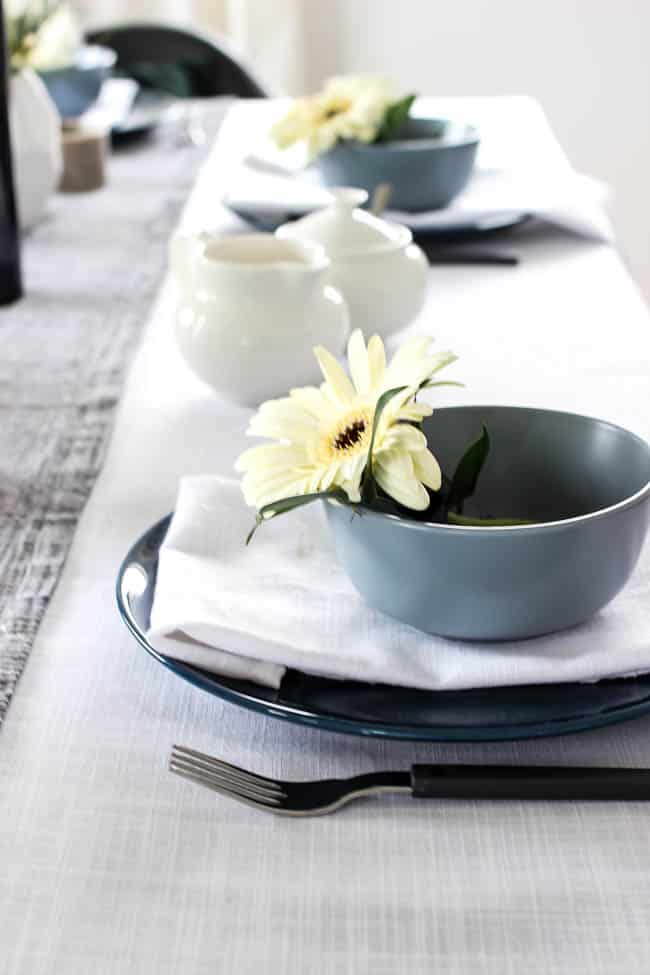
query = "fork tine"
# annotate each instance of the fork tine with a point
(254, 792)
(226, 788)
(223, 790)
(232, 771)
(233, 782)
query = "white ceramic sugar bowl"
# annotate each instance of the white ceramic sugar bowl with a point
(379, 270)
(250, 311)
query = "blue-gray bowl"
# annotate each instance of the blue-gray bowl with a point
(75, 88)
(585, 483)
(427, 165)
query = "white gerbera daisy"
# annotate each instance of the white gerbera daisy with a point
(349, 107)
(323, 435)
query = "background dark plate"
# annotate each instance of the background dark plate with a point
(493, 714)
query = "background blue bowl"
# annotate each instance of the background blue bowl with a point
(584, 481)
(75, 88)
(428, 164)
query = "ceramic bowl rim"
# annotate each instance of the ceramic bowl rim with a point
(535, 528)
(89, 57)
(316, 258)
(415, 145)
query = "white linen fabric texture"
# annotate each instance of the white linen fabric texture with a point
(111, 865)
(249, 611)
(510, 177)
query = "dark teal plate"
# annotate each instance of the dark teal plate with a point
(377, 710)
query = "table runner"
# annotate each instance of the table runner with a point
(110, 865)
(91, 270)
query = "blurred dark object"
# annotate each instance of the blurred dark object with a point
(10, 280)
(76, 87)
(464, 254)
(181, 63)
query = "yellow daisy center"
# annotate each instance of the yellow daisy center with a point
(350, 435)
(334, 108)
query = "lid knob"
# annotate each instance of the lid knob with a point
(348, 197)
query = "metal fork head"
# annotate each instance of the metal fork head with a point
(230, 780)
(286, 798)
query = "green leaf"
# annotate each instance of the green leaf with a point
(464, 481)
(396, 115)
(429, 384)
(387, 506)
(369, 490)
(283, 505)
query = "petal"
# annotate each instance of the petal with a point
(293, 126)
(258, 493)
(414, 412)
(328, 476)
(412, 365)
(393, 408)
(352, 489)
(439, 361)
(407, 359)
(312, 401)
(423, 371)
(272, 457)
(314, 482)
(354, 466)
(427, 469)
(376, 361)
(404, 436)
(261, 485)
(335, 376)
(283, 419)
(395, 475)
(267, 478)
(358, 361)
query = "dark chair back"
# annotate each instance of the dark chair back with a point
(180, 62)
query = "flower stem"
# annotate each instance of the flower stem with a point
(464, 520)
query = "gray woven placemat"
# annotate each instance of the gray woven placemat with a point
(91, 271)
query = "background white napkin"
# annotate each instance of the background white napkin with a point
(284, 601)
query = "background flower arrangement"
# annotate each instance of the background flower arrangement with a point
(42, 36)
(361, 107)
(359, 131)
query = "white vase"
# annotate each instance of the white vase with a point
(36, 143)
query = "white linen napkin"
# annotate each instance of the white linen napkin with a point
(283, 601)
(115, 101)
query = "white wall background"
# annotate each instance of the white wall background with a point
(586, 61)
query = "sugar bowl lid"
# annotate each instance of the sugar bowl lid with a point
(344, 229)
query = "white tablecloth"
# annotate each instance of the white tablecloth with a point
(110, 865)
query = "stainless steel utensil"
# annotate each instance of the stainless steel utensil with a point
(314, 798)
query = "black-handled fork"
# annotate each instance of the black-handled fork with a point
(317, 797)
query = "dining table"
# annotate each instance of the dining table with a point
(109, 865)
